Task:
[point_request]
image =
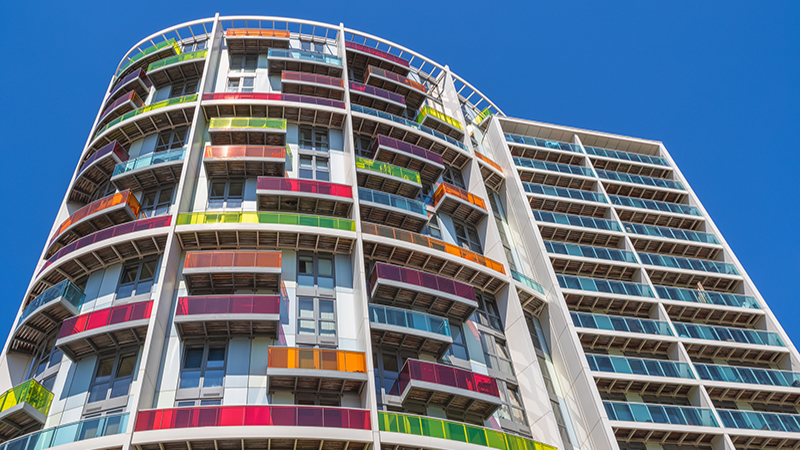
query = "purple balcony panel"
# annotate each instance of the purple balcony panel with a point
(113, 147)
(377, 53)
(142, 78)
(377, 92)
(385, 141)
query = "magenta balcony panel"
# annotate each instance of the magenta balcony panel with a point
(276, 97)
(456, 390)
(223, 316)
(104, 329)
(96, 171)
(318, 198)
(125, 104)
(137, 82)
(377, 98)
(404, 288)
(228, 271)
(428, 164)
(313, 85)
(363, 56)
(413, 91)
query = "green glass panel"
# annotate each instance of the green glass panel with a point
(432, 428)
(177, 58)
(308, 221)
(150, 50)
(288, 219)
(496, 439)
(326, 222)
(412, 425)
(268, 218)
(476, 435)
(455, 431)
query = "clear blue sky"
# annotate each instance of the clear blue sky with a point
(716, 81)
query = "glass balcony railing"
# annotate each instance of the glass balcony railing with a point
(30, 392)
(394, 201)
(672, 233)
(749, 375)
(233, 258)
(177, 59)
(449, 189)
(639, 366)
(243, 416)
(607, 286)
(409, 319)
(299, 55)
(69, 433)
(488, 161)
(101, 206)
(755, 420)
(316, 359)
(578, 221)
(714, 298)
(262, 217)
(377, 92)
(237, 304)
(388, 169)
(421, 279)
(310, 78)
(140, 74)
(129, 97)
(146, 109)
(149, 51)
(405, 147)
(222, 123)
(150, 159)
(114, 315)
(306, 186)
(552, 167)
(65, 289)
(575, 194)
(635, 157)
(455, 431)
(272, 97)
(527, 281)
(112, 148)
(725, 334)
(612, 254)
(688, 263)
(408, 123)
(427, 111)
(415, 370)
(377, 53)
(665, 414)
(483, 115)
(399, 79)
(544, 143)
(619, 323)
(256, 32)
(638, 179)
(655, 206)
(245, 151)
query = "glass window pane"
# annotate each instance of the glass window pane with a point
(325, 267)
(126, 365)
(105, 368)
(121, 387)
(216, 357)
(236, 189)
(327, 329)
(306, 308)
(218, 189)
(148, 270)
(326, 310)
(194, 358)
(213, 378)
(305, 327)
(190, 379)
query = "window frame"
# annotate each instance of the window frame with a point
(513, 422)
(244, 66)
(47, 355)
(317, 338)
(184, 87)
(470, 240)
(319, 141)
(157, 208)
(109, 403)
(307, 290)
(314, 172)
(241, 84)
(194, 46)
(226, 197)
(170, 139)
(201, 393)
(453, 176)
(135, 294)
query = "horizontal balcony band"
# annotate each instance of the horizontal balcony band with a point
(310, 78)
(459, 204)
(44, 314)
(177, 68)
(316, 370)
(425, 129)
(364, 55)
(621, 342)
(688, 263)
(756, 420)
(227, 271)
(392, 210)
(543, 143)
(634, 157)
(726, 334)
(655, 206)
(237, 315)
(318, 198)
(255, 41)
(266, 218)
(124, 104)
(290, 98)
(23, 407)
(384, 177)
(136, 81)
(324, 189)
(151, 170)
(639, 366)
(303, 61)
(588, 251)
(620, 323)
(412, 91)
(396, 103)
(149, 55)
(69, 433)
(716, 298)
(405, 330)
(671, 233)
(408, 156)
(574, 194)
(644, 192)
(299, 109)
(96, 171)
(747, 375)
(528, 163)
(600, 285)
(578, 221)
(662, 414)
(638, 179)
(146, 109)
(247, 131)
(244, 160)
(309, 84)
(440, 122)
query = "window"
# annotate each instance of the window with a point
(502, 227)
(137, 277)
(363, 145)
(314, 399)
(512, 409)
(171, 139)
(243, 63)
(487, 314)
(433, 229)
(311, 47)
(187, 87)
(497, 355)
(467, 236)
(313, 138)
(226, 194)
(453, 176)
(314, 167)
(458, 349)
(202, 373)
(46, 361)
(194, 46)
(156, 202)
(316, 321)
(241, 84)
(315, 274)
(111, 383)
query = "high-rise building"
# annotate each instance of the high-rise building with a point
(284, 234)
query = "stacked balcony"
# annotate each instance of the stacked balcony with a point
(412, 331)
(600, 331)
(150, 170)
(147, 56)
(459, 203)
(312, 85)
(428, 164)
(44, 314)
(414, 92)
(247, 131)
(441, 122)
(545, 150)
(392, 210)
(377, 98)
(387, 178)
(689, 272)
(105, 329)
(136, 81)
(96, 171)
(530, 293)
(23, 409)
(302, 61)
(176, 69)
(255, 41)
(124, 104)
(316, 370)
(226, 272)
(664, 423)
(491, 172)
(257, 106)
(673, 241)
(69, 433)
(228, 316)
(245, 160)
(304, 197)
(362, 56)
(731, 344)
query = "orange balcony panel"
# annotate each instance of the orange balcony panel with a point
(458, 203)
(254, 40)
(491, 172)
(244, 160)
(226, 272)
(316, 369)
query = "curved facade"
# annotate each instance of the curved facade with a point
(284, 234)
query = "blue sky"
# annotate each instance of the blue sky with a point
(716, 81)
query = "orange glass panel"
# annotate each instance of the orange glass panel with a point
(124, 197)
(449, 189)
(489, 162)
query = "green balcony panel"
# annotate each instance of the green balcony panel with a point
(147, 109)
(166, 46)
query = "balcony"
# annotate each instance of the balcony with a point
(530, 293)
(226, 316)
(574, 194)
(407, 426)
(671, 233)
(387, 178)
(637, 179)
(255, 41)
(577, 221)
(148, 56)
(414, 92)
(459, 204)
(362, 56)
(587, 251)
(124, 104)
(302, 61)
(404, 330)
(688, 263)
(377, 98)
(318, 234)
(428, 164)
(749, 375)
(392, 210)
(661, 414)
(440, 122)
(105, 213)
(491, 172)
(304, 196)
(755, 420)
(293, 108)
(605, 286)
(253, 161)
(44, 314)
(247, 131)
(151, 170)
(407, 288)
(637, 366)
(136, 82)
(23, 408)
(457, 391)
(653, 218)
(112, 424)
(96, 171)
(312, 85)
(634, 157)
(316, 370)
(619, 323)
(104, 329)
(226, 272)
(689, 272)
(714, 298)
(566, 201)
(176, 69)
(551, 226)
(736, 343)
(542, 143)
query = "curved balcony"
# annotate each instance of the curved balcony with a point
(124, 104)
(207, 231)
(23, 408)
(392, 210)
(302, 61)
(428, 164)
(294, 108)
(177, 68)
(404, 330)
(491, 172)
(455, 390)
(414, 92)
(225, 316)
(459, 204)
(312, 85)
(362, 56)
(316, 370)
(407, 288)
(253, 161)
(255, 41)
(104, 329)
(105, 213)
(44, 314)
(384, 177)
(225, 272)
(136, 81)
(377, 98)
(247, 131)
(151, 170)
(440, 122)
(304, 196)
(148, 56)
(95, 172)
(110, 425)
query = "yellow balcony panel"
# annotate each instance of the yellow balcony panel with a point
(247, 131)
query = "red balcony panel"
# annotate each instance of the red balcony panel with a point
(310, 78)
(226, 272)
(104, 329)
(378, 54)
(293, 195)
(275, 97)
(237, 315)
(306, 186)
